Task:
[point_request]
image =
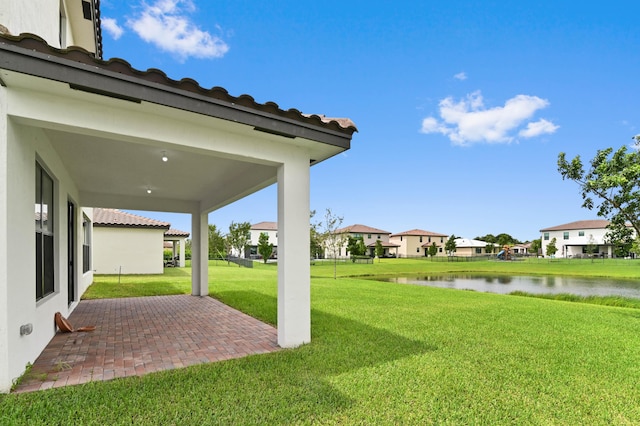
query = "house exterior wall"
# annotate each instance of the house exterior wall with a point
(128, 250)
(576, 241)
(21, 147)
(42, 17)
(411, 245)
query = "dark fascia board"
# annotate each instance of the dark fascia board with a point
(129, 87)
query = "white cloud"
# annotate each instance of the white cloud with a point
(468, 121)
(167, 25)
(538, 128)
(460, 76)
(112, 27)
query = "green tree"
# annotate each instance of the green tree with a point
(332, 239)
(265, 248)
(379, 249)
(489, 238)
(536, 245)
(355, 246)
(216, 243)
(611, 184)
(316, 244)
(450, 245)
(551, 247)
(489, 248)
(239, 236)
(621, 238)
(433, 249)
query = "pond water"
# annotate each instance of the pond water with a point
(529, 284)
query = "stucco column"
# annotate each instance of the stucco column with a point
(294, 283)
(5, 379)
(182, 259)
(200, 254)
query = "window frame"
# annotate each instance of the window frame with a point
(45, 235)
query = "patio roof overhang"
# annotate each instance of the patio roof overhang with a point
(111, 125)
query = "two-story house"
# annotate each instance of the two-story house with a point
(416, 242)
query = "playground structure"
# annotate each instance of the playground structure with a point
(505, 253)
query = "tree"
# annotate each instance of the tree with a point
(433, 249)
(612, 185)
(489, 248)
(265, 248)
(450, 245)
(332, 240)
(239, 236)
(621, 238)
(216, 242)
(551, 247)
(379, 249)
(356, 247)
(536, 245)
(316, 245)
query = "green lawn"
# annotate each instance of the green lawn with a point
(383, 354)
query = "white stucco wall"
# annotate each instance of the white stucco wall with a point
(40, 17)
(24, 145)
(128, 250)
(255, 236)
(573, 245)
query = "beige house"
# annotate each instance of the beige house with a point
(416, 242)
(369, 236)
(77, 131)
(466, 247)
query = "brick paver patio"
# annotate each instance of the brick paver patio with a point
(140, 335)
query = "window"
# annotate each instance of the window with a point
(478, 250)
(442, 239)
(378, 236)
(400, 237)
(421, 239)
(565, 236)
(440, 249)
(86, 244)
(580, 233)
(417, 249)
(369, 236)
(546, 236)
(429, 239)
(44, 208)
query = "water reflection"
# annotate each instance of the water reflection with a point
(532, 284)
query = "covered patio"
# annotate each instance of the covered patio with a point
(140, 335)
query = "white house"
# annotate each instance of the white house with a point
(269, 228)
(77, 131)
(125, 243)
(416, 242)
(572, 239)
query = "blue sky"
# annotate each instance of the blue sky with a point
(461, 106)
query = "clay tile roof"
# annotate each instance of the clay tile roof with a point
(419, 232)
(117, 218)
(176, 233)
(580, 224)
(360, 229)
(119, 66)
(384, 244)
(265, 226)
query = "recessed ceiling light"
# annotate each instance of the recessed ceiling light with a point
(164, 156)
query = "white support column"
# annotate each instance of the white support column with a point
(200, 254)
(294, 282)
(5, 375)
(182, 258)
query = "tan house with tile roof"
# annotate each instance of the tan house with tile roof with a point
(78, 131)
(369, 236)
(573, 238)
(416, 242)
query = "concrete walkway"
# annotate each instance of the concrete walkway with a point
(140, 335)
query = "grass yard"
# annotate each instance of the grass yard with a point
(381, 354)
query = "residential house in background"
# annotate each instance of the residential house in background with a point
(573, 239)
(468, 248)
(521, 249)
(369, 236)
(269, 228)
(124, 243)
(77, 132)
(416, 242)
